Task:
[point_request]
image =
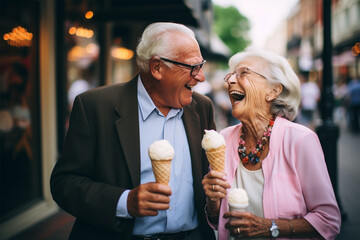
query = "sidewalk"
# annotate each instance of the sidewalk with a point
(349, 178)
(58, 226)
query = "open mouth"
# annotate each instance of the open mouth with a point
(189, 87)
(237, 96)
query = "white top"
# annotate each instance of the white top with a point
(253, 183)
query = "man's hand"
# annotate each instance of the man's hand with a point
(147, 199)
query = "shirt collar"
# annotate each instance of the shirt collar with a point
(147, 106)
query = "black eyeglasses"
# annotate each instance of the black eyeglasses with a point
(240, 73)
(195, 68)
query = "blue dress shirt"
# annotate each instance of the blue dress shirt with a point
(153, 126)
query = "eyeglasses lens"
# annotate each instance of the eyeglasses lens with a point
(228, 76)
(196, 69)
(239, 73)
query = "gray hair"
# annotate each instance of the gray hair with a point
(155, 41)
(277, 71)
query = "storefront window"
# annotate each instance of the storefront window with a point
(82, 51)
(122, 54)
(20, 168)
(78, 50)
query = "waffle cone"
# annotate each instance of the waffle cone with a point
(162, 169)
(216, 158)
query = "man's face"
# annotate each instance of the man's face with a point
(177, 83)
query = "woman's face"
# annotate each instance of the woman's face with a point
(247, 89)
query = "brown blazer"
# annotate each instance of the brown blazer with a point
(101, 159)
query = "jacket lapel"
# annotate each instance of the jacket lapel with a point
(191, 122)
(127, 126)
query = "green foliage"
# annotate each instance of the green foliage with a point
(232, 27)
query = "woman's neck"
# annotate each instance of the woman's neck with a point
(253, 128)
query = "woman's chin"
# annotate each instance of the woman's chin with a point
(236, 114)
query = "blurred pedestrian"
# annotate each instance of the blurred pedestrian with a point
(310, 95)
(341, 97)
(354, 104)
(104, 175)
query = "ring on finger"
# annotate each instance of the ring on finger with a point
(213, 187)
(237, 230)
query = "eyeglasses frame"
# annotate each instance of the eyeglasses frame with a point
(186, 65)
(228, 76)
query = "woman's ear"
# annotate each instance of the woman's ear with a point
(156, 68)
(274, 92)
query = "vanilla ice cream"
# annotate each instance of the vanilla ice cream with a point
(161, 153)
(161, 150)
(238, 199)
(212, 140)
(214, 145)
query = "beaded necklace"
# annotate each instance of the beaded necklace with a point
(253, 156)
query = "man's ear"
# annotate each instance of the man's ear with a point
(274, 92)
(156, 68)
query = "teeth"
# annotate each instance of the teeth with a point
(236, 95)
(189, 87)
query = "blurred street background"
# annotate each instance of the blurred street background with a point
(52, 50)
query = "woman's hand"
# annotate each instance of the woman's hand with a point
(246, 224)
(215, 185)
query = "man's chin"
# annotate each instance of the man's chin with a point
(186, 102)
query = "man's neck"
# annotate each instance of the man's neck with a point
(149, 87)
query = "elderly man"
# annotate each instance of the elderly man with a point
(104, 176)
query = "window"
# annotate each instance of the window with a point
(20, 160)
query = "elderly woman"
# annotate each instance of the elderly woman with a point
(279, 163)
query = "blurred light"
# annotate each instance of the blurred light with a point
(78, 53)
(355, 50)
(19, 37)
(72, 30)
(122, 53)
(89, 14)
(83, 32)
(89, 33)
(91, 48)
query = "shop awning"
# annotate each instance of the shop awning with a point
(144, 11)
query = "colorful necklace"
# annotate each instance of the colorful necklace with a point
(253, 156)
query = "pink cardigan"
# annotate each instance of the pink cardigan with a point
(296, 180)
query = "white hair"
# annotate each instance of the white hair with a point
(277, 70)
(156, 41)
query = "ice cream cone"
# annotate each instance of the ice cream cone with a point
(214, 145)
(161, 153)
(216, 158)
(238, 207)
(162, 169)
